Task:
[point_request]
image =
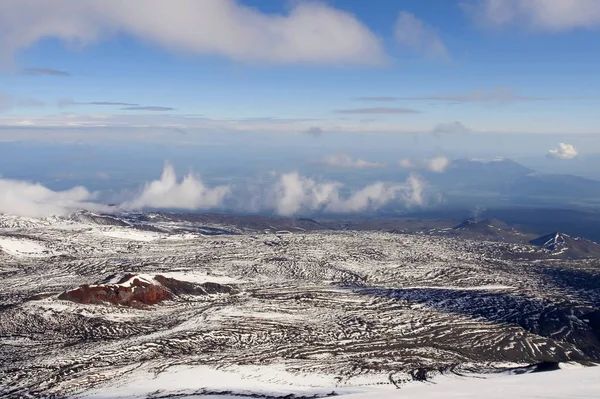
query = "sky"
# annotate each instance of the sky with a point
(96, 89)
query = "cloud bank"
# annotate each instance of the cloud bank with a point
(24, 198)
(564, 151)
(285, 194)
(312, 32)
(413, 33)
(437, 164)
(543, 15)
(345, 161)
(294, 194)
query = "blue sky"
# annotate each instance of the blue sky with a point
(373, 79)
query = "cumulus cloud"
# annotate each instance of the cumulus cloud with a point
(190, 193)
(285, 194)
(545, 15)
(294, 194)
(345, 161)
(24, 198)
(437, 164)
(564, 151)
(413, 33)
(312, 32)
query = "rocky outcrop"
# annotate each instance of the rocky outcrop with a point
(135, 290)
(179, 287)
(129, 290)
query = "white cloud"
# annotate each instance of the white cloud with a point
(415, 194)
(168, 192)
(564, 151)
(546, 15)
(310, 33)
(289, 194)
(294, 194)
(345, 161)
(413, 33)
(437, 164)
(23, 198)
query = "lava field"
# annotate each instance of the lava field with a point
(358, 307)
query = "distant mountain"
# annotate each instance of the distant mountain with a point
(93, 218)
(488, 230)
(565, 246)
(499, 167)
(511, 179)
(538, 184)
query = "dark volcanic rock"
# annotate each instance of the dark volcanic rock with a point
(488, 229)
(179, 287)
(565, 246)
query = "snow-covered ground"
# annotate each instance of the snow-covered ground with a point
(22, 247)
(201, 381)
(563, 384)
(358, 313)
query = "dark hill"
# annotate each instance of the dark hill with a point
(565, 246)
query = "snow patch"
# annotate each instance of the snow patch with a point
(187, 381)
(131, 235)
(23, 247)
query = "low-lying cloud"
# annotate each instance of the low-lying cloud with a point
(168, 192)
(564, 151)
(285, 194)
(437, 164)
(294, 194)
(23, 198)
(346, 161)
